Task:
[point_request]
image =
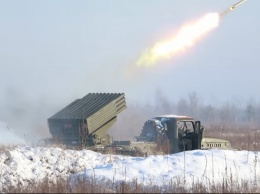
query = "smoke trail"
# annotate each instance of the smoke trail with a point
(185, 38)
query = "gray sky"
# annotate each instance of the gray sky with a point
(52, 52)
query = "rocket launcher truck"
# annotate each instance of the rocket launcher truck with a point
(85, 122)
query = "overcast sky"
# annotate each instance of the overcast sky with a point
(52, 52)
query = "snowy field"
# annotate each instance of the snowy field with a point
(23, 164)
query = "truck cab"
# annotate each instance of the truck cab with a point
(181, 132)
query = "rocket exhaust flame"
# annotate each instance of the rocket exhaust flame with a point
(187, 36)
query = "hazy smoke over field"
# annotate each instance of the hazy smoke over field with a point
(230, 113)
(8, 136)
(25, 117)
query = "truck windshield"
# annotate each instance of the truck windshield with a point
(186, 126)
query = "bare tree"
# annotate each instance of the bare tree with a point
(163, 105)
(208, 113)
(193, 104)
(182, 106)
(251, 112)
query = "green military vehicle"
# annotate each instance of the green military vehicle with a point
(175, 134)
(85, 122)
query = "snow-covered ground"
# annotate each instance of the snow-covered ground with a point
(24, 164)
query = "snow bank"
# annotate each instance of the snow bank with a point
(204, 166)
(26, 164)
(22, 165)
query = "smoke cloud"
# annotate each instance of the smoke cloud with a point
(9, 137)
(26, 116)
